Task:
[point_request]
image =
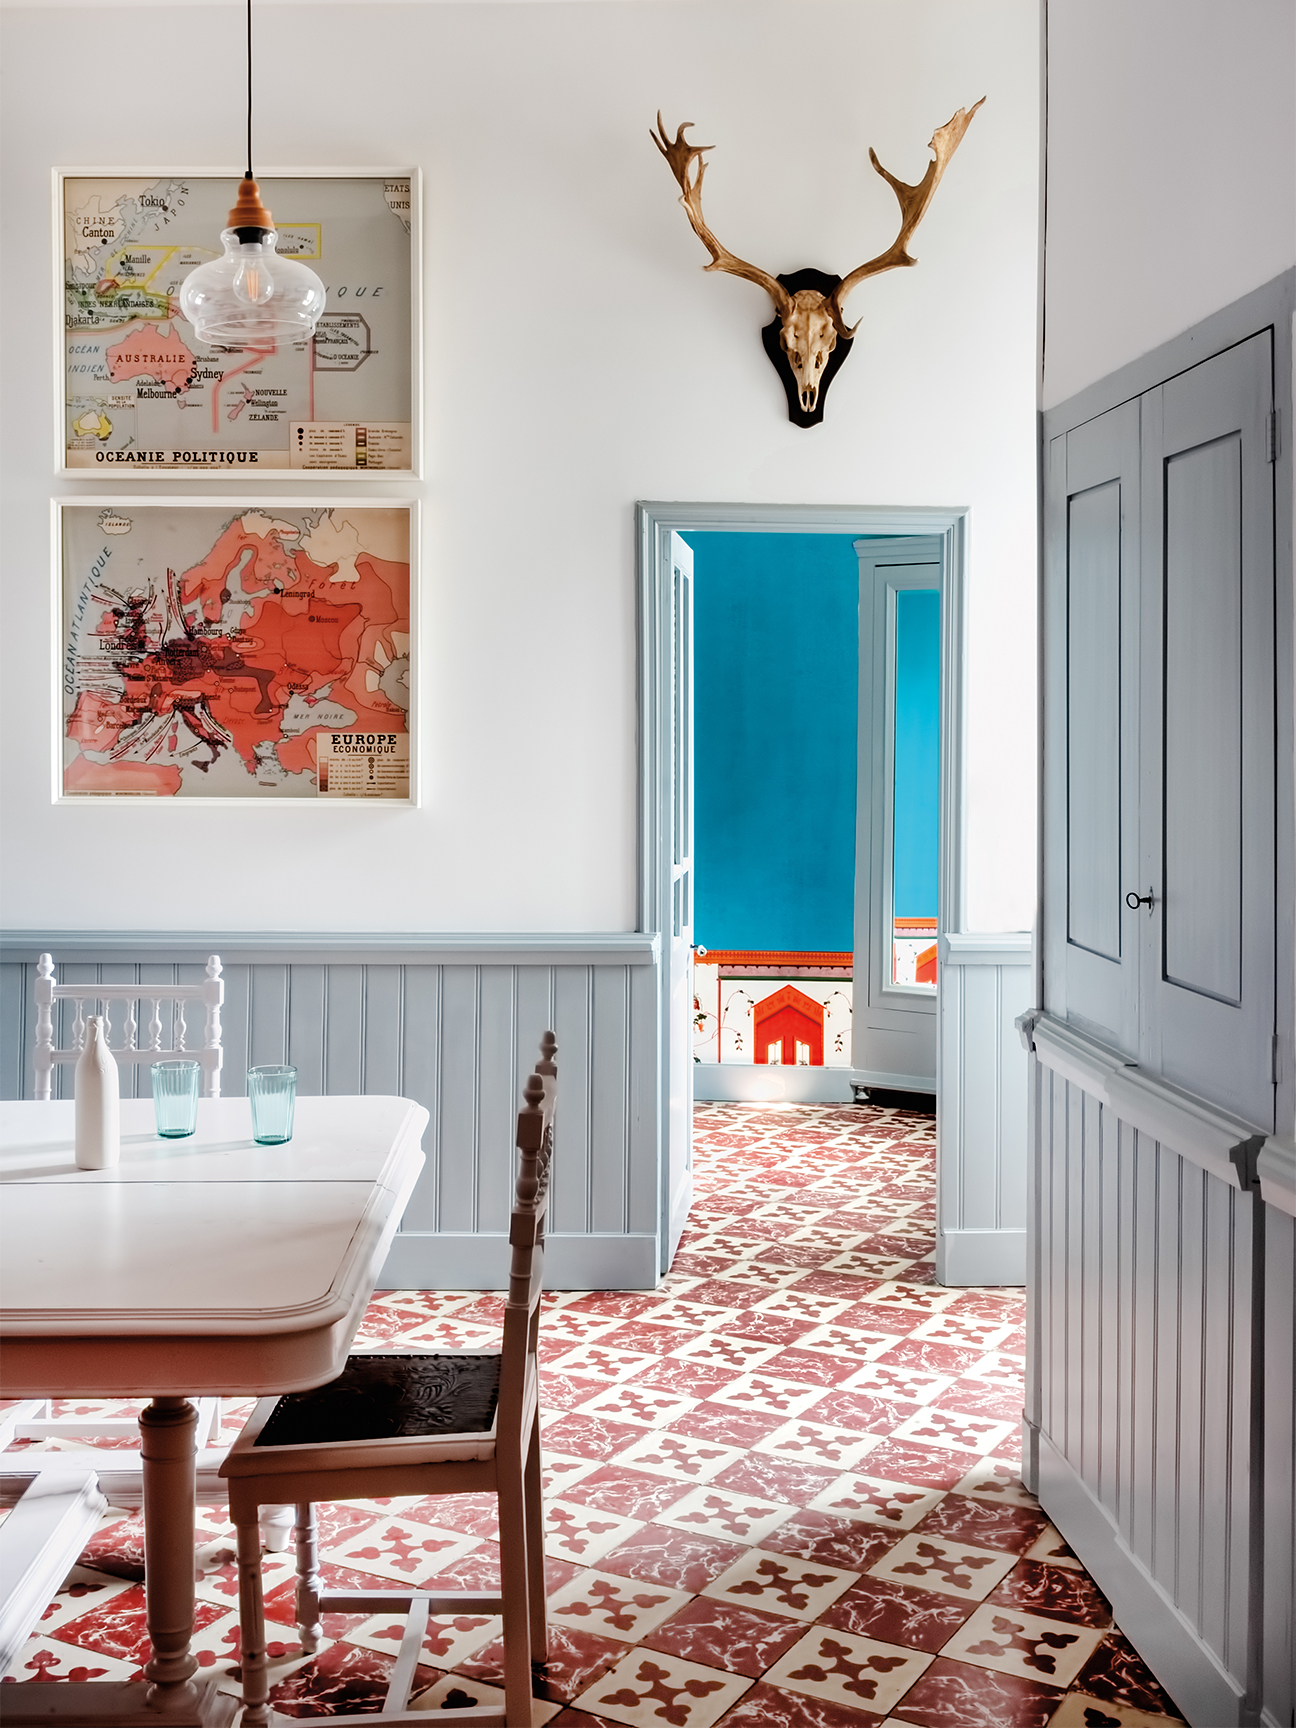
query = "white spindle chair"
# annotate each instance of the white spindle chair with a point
(34, 1419)
(128, 1050)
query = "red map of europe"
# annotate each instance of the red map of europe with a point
(205, 653)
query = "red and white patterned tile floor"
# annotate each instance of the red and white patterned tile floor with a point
(782, 1488)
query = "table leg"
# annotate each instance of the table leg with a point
(168, 1430)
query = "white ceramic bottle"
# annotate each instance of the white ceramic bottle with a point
(98, 1101)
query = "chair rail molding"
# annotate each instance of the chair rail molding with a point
(1197, 1130)
(450, 1020)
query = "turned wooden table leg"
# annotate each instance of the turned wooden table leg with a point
(168, 1427)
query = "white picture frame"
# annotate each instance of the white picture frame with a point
(107, 464)
(131, 507)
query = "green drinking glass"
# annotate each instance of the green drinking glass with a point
(272, 1092)
(175, 1098)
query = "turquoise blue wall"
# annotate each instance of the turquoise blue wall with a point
(917, 752)
(776, 640)
(776, 643)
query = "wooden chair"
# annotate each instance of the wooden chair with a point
(417, 1424)
(130, 1053)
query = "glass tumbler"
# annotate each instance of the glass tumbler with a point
(175, 1098)
(272, 1092)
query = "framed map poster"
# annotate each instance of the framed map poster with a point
(252, 650)
(139, 393)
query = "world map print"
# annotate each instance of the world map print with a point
(143, 393)
(264, 654)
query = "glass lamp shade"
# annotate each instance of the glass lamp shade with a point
(251, 295)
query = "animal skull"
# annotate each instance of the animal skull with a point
(808, 337)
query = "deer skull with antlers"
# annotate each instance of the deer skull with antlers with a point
(809, 325)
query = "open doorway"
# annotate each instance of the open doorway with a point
(928, 545)
(775, 753)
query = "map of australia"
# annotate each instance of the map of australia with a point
(143, 392)
(210, 655)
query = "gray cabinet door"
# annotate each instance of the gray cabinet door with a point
(1159, 730)
(1207, 794)
(1091, 725)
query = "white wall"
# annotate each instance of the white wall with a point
(577, 359)
(1171, 171)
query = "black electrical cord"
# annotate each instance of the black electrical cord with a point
(249, 84)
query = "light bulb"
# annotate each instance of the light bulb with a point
(251, 295)
(253, 283)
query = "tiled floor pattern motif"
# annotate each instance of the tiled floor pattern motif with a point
(783, 1488)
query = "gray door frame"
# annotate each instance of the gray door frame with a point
(655, 522)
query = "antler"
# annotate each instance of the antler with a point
(913, 205)
(681, 155)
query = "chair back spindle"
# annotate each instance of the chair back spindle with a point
(535, 1130)
(127, 1049)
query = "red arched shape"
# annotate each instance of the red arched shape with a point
(789, 1016)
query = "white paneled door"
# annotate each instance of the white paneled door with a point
(1159, 730)
(893, 1041)
(679, 933)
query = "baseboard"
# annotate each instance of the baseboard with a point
(1030, 1456)
(981, 1256)
(427, 1260)
(892, 1082)
(753, 1083)
(1207, 1695)
(679, 1218)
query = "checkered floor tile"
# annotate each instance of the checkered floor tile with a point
(782, 1489)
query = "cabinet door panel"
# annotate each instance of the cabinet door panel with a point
(1091, 725)
(1094, 721)
(1207, 794)
(1202, 747)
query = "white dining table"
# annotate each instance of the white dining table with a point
(208, 1266)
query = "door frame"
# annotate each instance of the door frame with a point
(655, 523)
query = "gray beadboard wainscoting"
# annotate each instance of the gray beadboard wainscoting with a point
(1159, 1399)
(453, 1022)
(985, 983)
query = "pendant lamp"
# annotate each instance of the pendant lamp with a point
(251, 297)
